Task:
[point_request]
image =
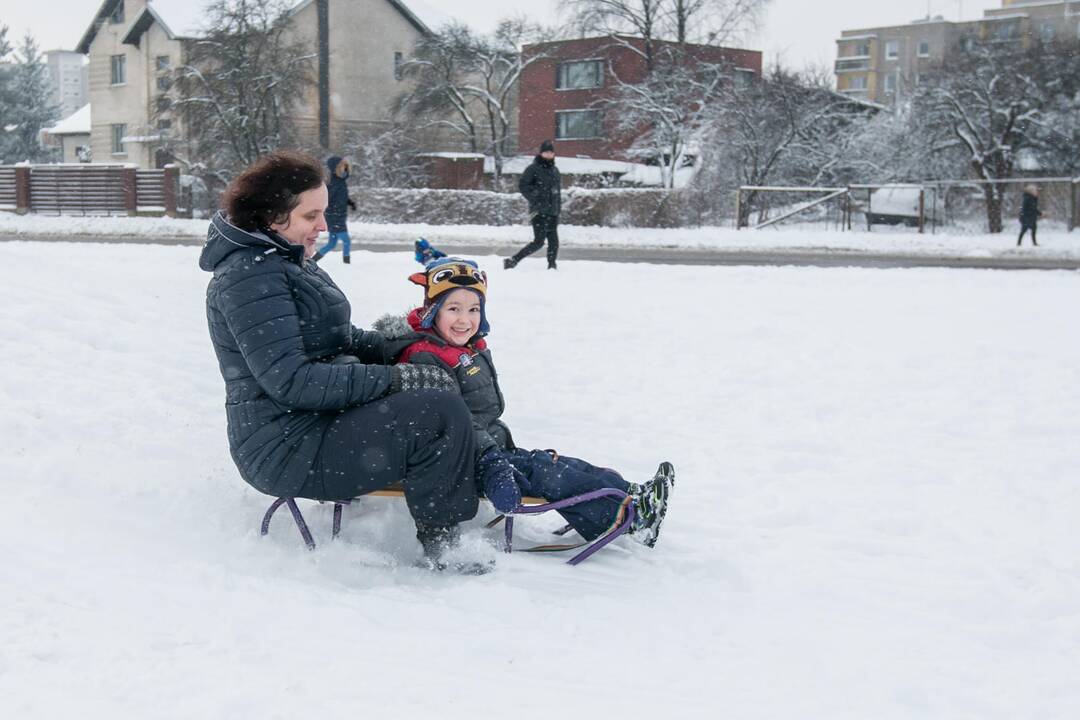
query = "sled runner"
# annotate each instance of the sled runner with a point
(529, 506)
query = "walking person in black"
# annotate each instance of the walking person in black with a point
(541, 186)
(1029, 214)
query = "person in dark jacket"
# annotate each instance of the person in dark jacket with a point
(541, 185)
(315, 407)
(448, 332)
(337, 208)
(1029, 214)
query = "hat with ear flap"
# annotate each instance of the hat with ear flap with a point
(444, 275)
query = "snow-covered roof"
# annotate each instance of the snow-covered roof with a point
(453, 155)
(77, 123)
(567, 165)
(181, 18)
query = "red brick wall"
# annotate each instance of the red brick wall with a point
(539, 99)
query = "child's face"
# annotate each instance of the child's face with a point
(459, 317)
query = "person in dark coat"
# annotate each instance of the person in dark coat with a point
(315, 407)
(337, 209)
(541, 185)
(449, 333)
(1029, 214)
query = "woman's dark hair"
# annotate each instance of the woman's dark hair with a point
(268, 189)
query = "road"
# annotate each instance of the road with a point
(808, 257)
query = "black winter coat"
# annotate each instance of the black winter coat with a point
(541, 185)
(290, 357)
(337, 207)
(471, 366)
(1029, 210)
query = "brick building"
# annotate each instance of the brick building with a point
(561, 93)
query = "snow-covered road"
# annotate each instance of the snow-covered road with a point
(875, 514)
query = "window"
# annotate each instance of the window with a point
(577, 124)
(162, 63)
(892, 50)
(922, 79)
(164, 83)
(163, 103)
(164, 124)
(890, 83)
(577, 75)
(1006, 31)
(744, 78)
(399, 60)
(862, 49)
(967, 43)
(924, 48)
(119, 130)
(117, 16)
(856, 82)
(119, 69)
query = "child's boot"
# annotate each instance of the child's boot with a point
(650, 505)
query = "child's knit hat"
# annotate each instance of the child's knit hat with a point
(443, 275)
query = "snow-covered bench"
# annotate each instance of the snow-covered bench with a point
(529, 506)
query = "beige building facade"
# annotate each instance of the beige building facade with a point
(134, 45)
(884, 64)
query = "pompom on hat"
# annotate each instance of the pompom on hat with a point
(444, 275)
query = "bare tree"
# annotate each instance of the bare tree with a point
(638, 18)
(386, 159)
(781, 129)
(664, 113)
(439, 68)
(240, 85)
(468, 83)
(712, 22)
(989, 102)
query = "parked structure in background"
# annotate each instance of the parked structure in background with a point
(886, 63)
(561, 95)
(68, 75)
(134, 46)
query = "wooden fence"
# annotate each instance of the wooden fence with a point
(89, 189)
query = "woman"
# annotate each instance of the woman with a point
(1029, 214)
(314, 407)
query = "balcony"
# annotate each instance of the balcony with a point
(859, 63)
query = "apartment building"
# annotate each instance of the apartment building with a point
(883, 64)
(561, 92)
(134, 46)
(68, 78)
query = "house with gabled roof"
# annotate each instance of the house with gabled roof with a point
(133, 46)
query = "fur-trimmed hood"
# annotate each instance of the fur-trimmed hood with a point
(394, 327)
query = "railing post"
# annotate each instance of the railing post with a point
(169, 191)
(131, 198)
(22, 189)
(738, 209)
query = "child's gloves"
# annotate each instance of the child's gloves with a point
(420, 377)
(497, 478)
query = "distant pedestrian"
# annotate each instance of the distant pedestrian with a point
(1029, 214)
(337, 211)
(542, 187)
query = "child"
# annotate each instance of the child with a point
(449, 329)
(337, 208)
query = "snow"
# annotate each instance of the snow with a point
(517, 164)
(1054, 242)
(78, 123)
(182, 18)
(874, 517)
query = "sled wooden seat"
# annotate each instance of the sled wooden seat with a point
(398, 490)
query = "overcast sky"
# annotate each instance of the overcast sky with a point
(798, 32)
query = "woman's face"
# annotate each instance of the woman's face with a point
(306, 220)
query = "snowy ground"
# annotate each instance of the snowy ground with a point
(875, 514)
(1054, 241)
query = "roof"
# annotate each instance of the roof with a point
(422, 16)
(77, 123)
